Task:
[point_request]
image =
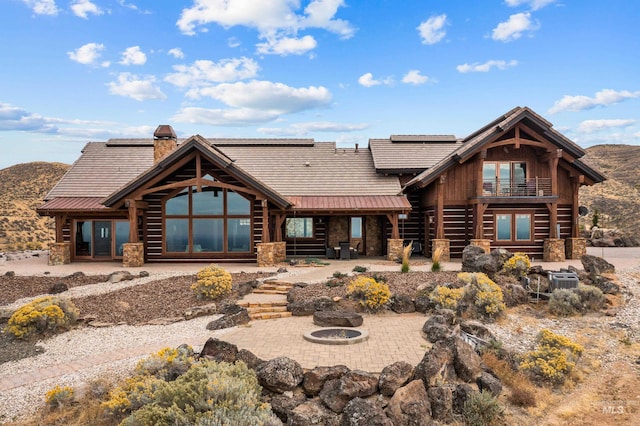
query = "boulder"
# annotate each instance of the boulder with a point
(58, 288)
(119, 276)
(605, 285)
(337, 319)
(441, 398)
(249, 358)
(490, 383)
(338, 392)
(466, 361)
(422, 303)
(219, 350)
(233, 315)
(437, 327)
(361, 412)
(75, 275)
(280, 374)
(436, 367)
(469, 256)
(143, 274)
(312, 413)
(200, 311)
(515, 294)
(476, 328)
(283, 404)
(597, 265)
(315, 379)
(394, 376)
(401, 304)
(245, 288)
(410, 405)
(461, 393)
(323, 303)
(301, 308)
(9, 274)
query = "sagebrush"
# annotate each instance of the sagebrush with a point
(212, 282)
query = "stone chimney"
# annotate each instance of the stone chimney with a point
(164, 141)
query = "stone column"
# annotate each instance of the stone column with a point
(132, 255)
(270, 254)
(484, 243)
(59, 254)
(575, 247)
(553, 250)
(394, 249)
(441, 244)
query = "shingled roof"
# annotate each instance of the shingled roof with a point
(410, 153)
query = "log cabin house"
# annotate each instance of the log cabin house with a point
(512, 184)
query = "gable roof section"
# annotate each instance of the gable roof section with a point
(488, 133)
(213, 154)
(410, 153)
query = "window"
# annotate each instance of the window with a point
(96, 239)
(299, 227)
(212, 220)
(356, 227)
(501, 177)
(513, 227)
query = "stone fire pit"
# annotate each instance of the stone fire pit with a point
(336, 336)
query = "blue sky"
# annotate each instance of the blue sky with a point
(75, 71)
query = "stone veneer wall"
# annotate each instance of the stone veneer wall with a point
(270, 254)
(337, 230)
(575, 247)
(162, 147)
(444, 245)
(484, 243)
(553, 250)
(59, 254)
(373, 236)
(132, 255)
(394, 249)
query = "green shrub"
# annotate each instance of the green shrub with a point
(359, 269)
(486, 295)
(481, 409)
(564, 302)
(167, 364)
(446, 297)
(339, 275)
(517, 265)
(371, 294)
(209, 393)
(554, 357)
(212, 282)
(591, 297)
(46, 314)
(59, 397)
(134, 393)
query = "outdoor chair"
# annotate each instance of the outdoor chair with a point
(331, 253)
(344, 250)
(354, 253)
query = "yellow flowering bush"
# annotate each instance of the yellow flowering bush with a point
(372, 294)
(212, 282)
(554, 357)
(42, 315)
(517, 265)
(445, 297)
(132, 394)
(167, 364)
(59, 397)
(486, 294)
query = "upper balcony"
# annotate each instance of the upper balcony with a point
(526, 190)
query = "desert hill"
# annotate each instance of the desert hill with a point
(617, 200)
(22, 189)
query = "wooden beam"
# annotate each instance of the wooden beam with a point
(553, 220)
(440, 207)
(60, 219)
(575, 213)
(395, 229)
(553, 171)
(279, 221)
(517, 141)
(133, 221)
(479, 173)
(479, 218)
(199, 171)
(265, 222)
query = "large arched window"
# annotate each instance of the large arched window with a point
(212, 220)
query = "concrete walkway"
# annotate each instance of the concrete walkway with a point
(393, 337)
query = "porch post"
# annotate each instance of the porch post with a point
(575, 247)
(394, 244)
(440, 207)
(265, 222)
(133, 251)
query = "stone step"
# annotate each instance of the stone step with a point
(261, 291)
(278, 283)
(274, 287)
(269, 315)
(265, 309)
(261, 304)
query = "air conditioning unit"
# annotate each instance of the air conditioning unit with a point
(562, 280)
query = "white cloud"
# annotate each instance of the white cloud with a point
(204, 72)
(514, 27)
(82, 8)
(367, 80)
(133, 7)
(414, 77)
(133, 56)
(486, 67)
(266, 96)
(302, 129)
(132, 86)
(223, 117)
(176, 52)
(17, 119)
(233, 42)
(42, 7)
(287, 46)
(533, 4)
(87, 54)
(602, 98)
(591, 126)
(432, 30)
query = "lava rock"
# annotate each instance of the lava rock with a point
(58, 288)
(410, 405)
(312, 413)
(219, 350)
(490, 383)
(337, 393)
(401, 304)
(315, 379)
(361, 412)
(394, 376)
(280, 374)
(234, 315)
(337, 319)
(597, 265)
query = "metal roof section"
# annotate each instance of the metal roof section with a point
(372, 203)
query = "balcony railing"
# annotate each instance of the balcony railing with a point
(532, 187)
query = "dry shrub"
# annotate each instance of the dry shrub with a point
(523, 392)
(406, 254)
(436, 259)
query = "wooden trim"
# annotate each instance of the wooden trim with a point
(512, 214)
(553, 219)
(279, 222)
(440, 208)
(395, 230)
(478, 216)
(575, 186)
(133, 221)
